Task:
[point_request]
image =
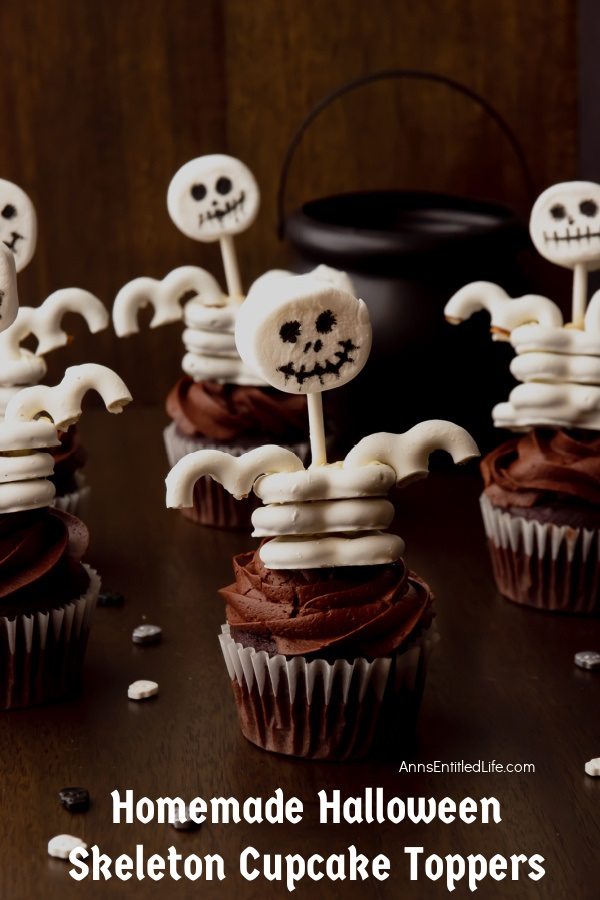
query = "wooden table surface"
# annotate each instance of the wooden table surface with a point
(502, 687)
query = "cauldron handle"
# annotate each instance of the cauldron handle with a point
(416, 74)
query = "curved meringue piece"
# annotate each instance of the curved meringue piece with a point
(17, 373)
(62, 403)
(332, 551)
(554, 405)
(408, 453)
(44, 322)
(592, 315)
(573, 341)
(506, 313)
(237, 474)
(164, 296)
(9, 298)
(556, 367)
(322, 516)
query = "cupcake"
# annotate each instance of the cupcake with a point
(542, 488)
(220, 403)
(47, 593)
(327, 634)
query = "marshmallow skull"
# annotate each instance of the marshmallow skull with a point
(213, 196)
(18, 223)
(565, 224)
(303, 334)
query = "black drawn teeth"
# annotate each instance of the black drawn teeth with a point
(571, 236)
(321, 369)
(222, 212)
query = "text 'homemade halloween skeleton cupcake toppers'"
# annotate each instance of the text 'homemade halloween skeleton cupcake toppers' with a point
(558, 363)
(304, 335)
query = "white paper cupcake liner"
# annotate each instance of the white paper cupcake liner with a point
(213, 505)
(324, 710)
(547, 566)
(75, 503)
(41, 653)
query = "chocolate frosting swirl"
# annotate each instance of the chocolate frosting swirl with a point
(369, 611)
(69, 457)
(227, 412)
(40, 560)
(544, 467)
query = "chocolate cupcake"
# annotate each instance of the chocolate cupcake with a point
(338, 656)
(541, 509)
(540, 503)
(47, 594)
(328, 635)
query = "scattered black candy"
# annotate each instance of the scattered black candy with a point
(146, 634)
(110, 598)
(75, 799)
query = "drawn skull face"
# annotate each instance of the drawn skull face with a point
(18, 223)
(565, 224)
(302, 334)
(213, 196)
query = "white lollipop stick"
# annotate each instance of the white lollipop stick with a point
(579, 302)
(316, 428)
(237, 474)
(505, 312)
(408, 453)
(164, 297)
(62, 403)
(45, 322)
(9, 298)
(232, 271)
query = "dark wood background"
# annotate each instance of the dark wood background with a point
(103, 101)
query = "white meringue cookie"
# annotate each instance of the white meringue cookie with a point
(552, 405)
(331, 482)
(322, 517)
(362, 549)
(556, 368)
(573, 341)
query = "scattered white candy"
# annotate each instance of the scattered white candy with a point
(592, 767)
(61, 845)
(185, 824)
(146, 634)
(141, 690)
(587, 659)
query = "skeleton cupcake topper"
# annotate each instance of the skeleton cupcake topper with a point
(18, 223)
(304, 334)
(213, 198)
(559, 364)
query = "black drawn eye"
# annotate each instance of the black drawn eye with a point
(223, 185)
(198, 191)
(558, 211)
(588, 208)
(9, 212)
(325, 322)
(290, 332)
